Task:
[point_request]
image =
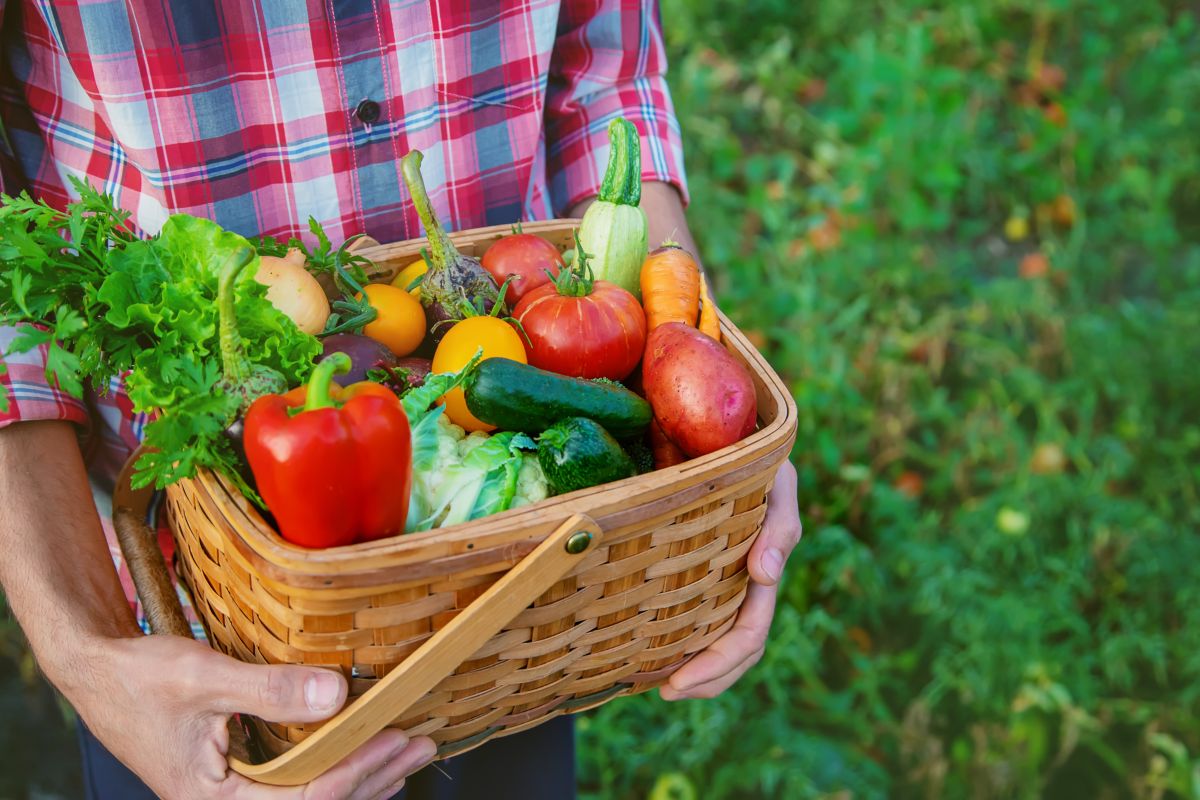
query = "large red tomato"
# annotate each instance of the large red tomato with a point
(598, 333)
(526, 258)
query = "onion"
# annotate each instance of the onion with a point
(294, 291)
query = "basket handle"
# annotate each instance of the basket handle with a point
(401, 688)
(439, 656)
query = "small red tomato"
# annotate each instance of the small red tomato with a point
(524, 257)
(582, 327)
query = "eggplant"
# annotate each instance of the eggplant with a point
(365, 354)
(235, 433)
(456, 286)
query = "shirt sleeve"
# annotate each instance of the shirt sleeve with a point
(28, 394)
(609, 61)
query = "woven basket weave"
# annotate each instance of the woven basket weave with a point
(665, 582)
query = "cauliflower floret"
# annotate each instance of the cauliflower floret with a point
(450, 438)
(472, 441)
(531, 482)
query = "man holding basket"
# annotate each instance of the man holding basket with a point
(259, 116)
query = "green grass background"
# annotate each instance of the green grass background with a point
(966, 233)
(997, 591)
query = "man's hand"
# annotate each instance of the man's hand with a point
(717, 668)
(161, 704)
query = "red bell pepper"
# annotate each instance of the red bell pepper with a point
(334, 465)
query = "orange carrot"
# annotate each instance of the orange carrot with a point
(666, 453)
(709, 324)
(670, 286)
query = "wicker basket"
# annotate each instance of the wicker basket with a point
(661, 579)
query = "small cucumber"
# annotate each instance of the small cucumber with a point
(577, 453)
(517, 397)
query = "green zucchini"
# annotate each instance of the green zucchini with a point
(613, 231)
(578, 452)
(517, 397)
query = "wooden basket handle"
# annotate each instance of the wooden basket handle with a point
(401, 688)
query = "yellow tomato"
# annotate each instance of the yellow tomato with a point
(400, 324)
(498, 340)
(409, 274)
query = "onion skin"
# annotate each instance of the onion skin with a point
(295, 292)
(702, 397)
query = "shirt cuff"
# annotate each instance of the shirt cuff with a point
(27, 391)
(577, 152)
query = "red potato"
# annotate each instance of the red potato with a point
(666, 453)
(702, 397)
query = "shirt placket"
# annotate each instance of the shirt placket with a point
(370, 96)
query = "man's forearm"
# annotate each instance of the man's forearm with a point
(665, 216)
(55, 569)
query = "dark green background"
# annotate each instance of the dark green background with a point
(997, 594)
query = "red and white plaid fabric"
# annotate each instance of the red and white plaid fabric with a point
(259, 115)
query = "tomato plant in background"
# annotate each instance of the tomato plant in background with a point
(993, 596)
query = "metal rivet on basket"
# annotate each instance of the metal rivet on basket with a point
(579, 542)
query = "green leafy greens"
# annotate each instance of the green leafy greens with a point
(107, 302)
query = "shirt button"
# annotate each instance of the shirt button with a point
(367, 112)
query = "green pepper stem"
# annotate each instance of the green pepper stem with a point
(623, 178)
(442, 249)
(233, 358)
(318, 395)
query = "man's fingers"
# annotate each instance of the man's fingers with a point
(744, 640)
(386, 781)
(716, 686)
(272, 693)
(342, 781)
(781, 530)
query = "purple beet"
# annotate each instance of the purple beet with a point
(412, 371)
(455, 283)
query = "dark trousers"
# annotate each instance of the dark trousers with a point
(538, 764)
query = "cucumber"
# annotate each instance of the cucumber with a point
(517, 397)
(578, 452)
(641, 454)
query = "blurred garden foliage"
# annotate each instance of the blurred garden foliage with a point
(968, 235)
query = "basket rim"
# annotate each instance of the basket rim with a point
(612, 505)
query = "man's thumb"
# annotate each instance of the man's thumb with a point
(277, 693)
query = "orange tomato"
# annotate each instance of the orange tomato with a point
(400, 324)
(498, 340)
(406, 276)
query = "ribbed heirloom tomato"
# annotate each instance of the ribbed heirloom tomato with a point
(583, 327)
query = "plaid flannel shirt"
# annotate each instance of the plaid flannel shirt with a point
(259, 115)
